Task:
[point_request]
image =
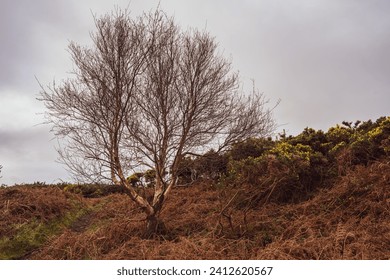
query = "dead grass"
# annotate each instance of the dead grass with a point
(30, 215)
(19, 205)
(348, 220)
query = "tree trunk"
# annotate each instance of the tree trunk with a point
(154, 226)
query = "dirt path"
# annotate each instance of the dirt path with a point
(82, 222)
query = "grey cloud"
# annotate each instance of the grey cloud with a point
(326, 60)
(28, 155)
(29, 31)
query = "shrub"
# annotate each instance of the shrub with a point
(150, 177)
(94, 190)
(339, 134)
(367, 142)
(286, 171)
(210, 166)
(316, 139)
(135, 179)
(252, 147)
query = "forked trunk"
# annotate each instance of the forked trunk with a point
(154, 225)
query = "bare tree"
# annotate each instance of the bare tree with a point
(145, 96)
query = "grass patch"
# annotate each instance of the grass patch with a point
(30, 235)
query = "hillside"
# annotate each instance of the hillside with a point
(314, 196)
(349, 220)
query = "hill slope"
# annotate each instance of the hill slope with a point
(349, 219)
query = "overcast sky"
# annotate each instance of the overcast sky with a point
(327, 60)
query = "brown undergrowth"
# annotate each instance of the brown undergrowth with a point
(349, 219)
(30, 215)
(21, 204)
